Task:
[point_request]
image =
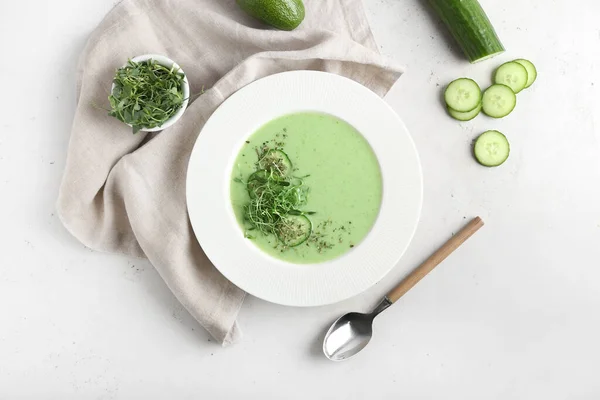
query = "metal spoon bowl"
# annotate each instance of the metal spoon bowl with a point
(351, 333)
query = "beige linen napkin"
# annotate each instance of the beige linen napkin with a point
(125, 193)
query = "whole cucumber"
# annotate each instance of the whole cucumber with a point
(286, 15)
(471, 28)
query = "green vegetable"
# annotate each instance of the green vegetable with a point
(531, 71)
(286, 15)
(498, 101)
(465, 116)
(294, 230)
(491, 149)
(513, 75)
(277, 161)
(146, 94)
(471, 28)
(276, 199)
(257, 182)
(463, 95)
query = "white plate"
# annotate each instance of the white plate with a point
(209, 177)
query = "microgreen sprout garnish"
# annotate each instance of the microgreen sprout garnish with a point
(146, 94)
(277, 204)
(277, 199)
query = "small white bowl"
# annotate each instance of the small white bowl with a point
(167, 62)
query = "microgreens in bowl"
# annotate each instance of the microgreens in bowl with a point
(147, 94)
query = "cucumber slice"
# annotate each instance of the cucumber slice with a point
(464, 116)
(293, 230)
(513, 75)
(258, 181)
(471, 28)
(463, 95)
(276, 161)
(531, 71)
(255, 181)
(498, 101)
(491, 149)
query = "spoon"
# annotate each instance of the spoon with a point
(352, 332)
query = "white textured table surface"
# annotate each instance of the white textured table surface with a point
(514, 314)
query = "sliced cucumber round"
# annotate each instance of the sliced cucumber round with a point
(276, 161)
(463, 95)
(498, 101)
(256, 182)
(259, 181)
(513, 75)
(531, 71)
(491, 149)
(293, 230)
(464, 116)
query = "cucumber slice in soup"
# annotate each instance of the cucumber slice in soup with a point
(531, 71)
(463, 95)
(293, 230)
(513, 75)
(498, 101)
(256, 182)
(491, 149)
(259, 180)
(464, 116)
(276, 161)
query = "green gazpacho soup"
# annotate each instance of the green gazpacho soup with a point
(306, 188)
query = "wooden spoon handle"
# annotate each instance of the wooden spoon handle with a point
(434, 260)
